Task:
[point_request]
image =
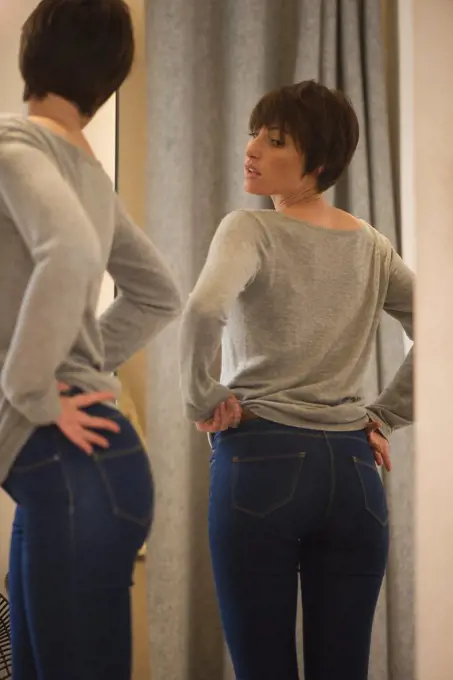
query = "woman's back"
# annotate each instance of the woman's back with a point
(61, 227)
(299, 336)
(32, 157)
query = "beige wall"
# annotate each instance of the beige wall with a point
(132, 143)
(433, 96)
(132, 182)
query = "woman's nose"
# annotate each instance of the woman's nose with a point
(253, 148)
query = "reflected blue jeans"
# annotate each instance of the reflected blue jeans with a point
(79, 524)
(289, 504)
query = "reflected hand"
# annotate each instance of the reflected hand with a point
(379, 444)
(227, 414)
(79, 427)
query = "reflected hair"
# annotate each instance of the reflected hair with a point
(81, 50)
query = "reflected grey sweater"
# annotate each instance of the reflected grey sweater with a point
(298, 307)
(61, 227)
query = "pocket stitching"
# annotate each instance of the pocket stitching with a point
(357, 464)
(371, 466)
(276, 506)
(142, 521)
(23, 469)
(19, 469)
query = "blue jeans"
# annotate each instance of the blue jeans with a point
(79, 524)
(287, 503)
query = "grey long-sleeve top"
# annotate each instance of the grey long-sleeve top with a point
(295, 308)
(61, 227)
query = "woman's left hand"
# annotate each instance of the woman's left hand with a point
(227, 414)
(379, 444)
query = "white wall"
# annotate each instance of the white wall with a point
(101, 134)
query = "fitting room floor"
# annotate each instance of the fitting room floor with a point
(140, 631)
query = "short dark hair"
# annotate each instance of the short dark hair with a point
(81, 50)
(322, 123)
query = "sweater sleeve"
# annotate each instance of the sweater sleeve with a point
(65, 253)
(394, 406)
(232, 263)
(148, 298)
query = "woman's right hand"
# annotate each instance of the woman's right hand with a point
(79, 427)
(379, 444)
(226, 415)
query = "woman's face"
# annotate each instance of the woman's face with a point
(273, 165)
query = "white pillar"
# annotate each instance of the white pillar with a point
(433, 166)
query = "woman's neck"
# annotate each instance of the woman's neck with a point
(315, 209)
(305, 201)
(59, 111)
(60, 117)
(304, 195)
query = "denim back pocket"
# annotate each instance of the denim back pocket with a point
(373, 490)
(126, 475)
(263, 484)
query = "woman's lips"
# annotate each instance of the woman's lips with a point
(251, 172)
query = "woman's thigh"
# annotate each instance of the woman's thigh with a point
(83, 520)
(256, 476)
(342, 569)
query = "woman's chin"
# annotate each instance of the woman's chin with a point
(252, 187)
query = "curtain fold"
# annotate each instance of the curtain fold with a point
(208, 64)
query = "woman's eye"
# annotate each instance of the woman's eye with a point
(277, 142)
(253, 135)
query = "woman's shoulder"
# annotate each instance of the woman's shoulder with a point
(15, 128)
(20, 140)
(240, 220)
(241, 215)
(24, 142)
(245, 223)
(241, 227)
(382, 243)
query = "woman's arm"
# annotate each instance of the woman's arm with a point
(65, 253)
(148, 298)
(394, 407)
(233, 261)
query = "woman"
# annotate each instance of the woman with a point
(297, 293)
(74, 465)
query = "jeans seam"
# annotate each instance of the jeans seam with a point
(116, 454)
(332, 478)
(70, 492)
(316, 434)
(265, 433)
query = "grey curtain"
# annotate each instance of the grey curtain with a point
(209, 61)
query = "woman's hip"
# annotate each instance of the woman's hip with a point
(264, 470)
(52, 471)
